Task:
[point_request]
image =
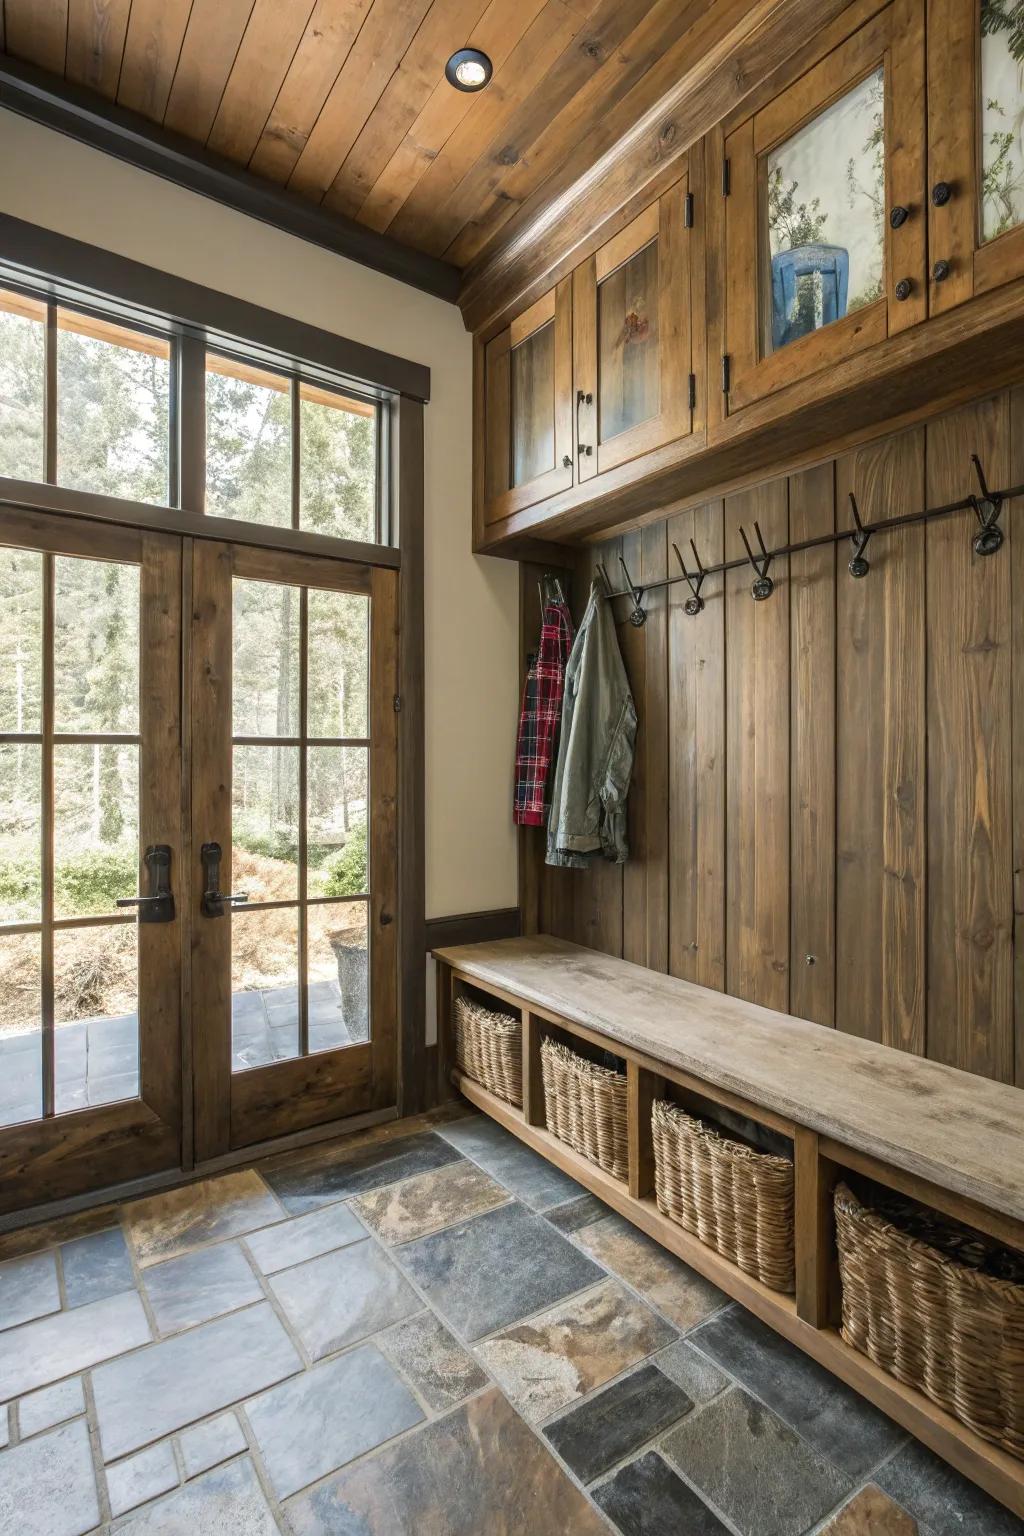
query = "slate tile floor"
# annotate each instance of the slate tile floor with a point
(425, 1330)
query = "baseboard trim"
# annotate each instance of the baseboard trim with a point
(473, 927)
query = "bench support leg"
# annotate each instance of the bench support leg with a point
(817, 1273)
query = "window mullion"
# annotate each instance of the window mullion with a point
(50, 396)
(191, 423)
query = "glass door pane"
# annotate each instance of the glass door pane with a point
(533, 405)
(1002, 117)
(629, 371)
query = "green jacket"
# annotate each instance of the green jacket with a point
(595, 749)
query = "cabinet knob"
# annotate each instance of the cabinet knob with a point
(585, 448)
(567, 461)
(898, 216)
(904, 288)
(941, 270)
(941, 193)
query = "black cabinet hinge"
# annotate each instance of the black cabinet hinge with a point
(725, 373)
(397, 702)
(693, 392)
(726, 181)
(688, 211)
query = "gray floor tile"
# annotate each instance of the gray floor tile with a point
(496, 1269)
(28, 1289)
(326, 1417)
(200, 1286)
(48, 1486)
(206, 1445)
(96, 1266)
(141, 1477)
(158, 1390)
(442, 1372)
(479, 1471)
(343, 1296)
(754, 1468)
(5, 1426)
(225, 1502)
(58, 1346)
(304, 1237)
(832, 1418)
(946, 1503)
(334, 1174)
(535, 1181)
(647, 1498)
(52, 1405)
(581, 1212)
(605, 1428)
(692, 1371)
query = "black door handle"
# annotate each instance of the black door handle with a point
(214, 899)
(158, 905)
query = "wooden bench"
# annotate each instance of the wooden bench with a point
(947, 1138)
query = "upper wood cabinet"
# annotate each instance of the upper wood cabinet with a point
(528, 442)
(632, 337)
(824, 227)
(975, 147)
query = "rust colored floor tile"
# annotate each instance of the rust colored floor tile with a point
(871, 1513)
(665, 1281)
(165, 1225)
(430, 1201)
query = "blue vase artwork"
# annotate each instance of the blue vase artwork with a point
(804, 278)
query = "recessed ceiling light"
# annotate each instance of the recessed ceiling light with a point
(468, 70)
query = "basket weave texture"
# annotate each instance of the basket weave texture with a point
(585, 1105)
(734, 1198)
(489, 1048)
(936, 1320)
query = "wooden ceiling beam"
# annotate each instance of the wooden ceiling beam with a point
(127, 136)
(705, 75)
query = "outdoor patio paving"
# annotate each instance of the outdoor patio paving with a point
(97, 1059)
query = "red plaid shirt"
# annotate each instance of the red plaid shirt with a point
(541, 716)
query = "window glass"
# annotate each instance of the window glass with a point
(22, 386)
(338, 465)
(825, 214)
(627, 352)
(533, 405)
(1002, 117)
(248, 443)
(113, 409)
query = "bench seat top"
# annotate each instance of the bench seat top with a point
(962, 1132)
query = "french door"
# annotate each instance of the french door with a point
(90, 813)
(294, 827)
(219, 874)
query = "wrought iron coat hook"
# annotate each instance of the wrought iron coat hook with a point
(763, 586)
(638, 617)
(694, 604)
(859, 538)
(987, 508)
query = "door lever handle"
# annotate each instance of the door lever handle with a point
(158, 905)
(215, 901)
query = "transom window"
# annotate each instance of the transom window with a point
(93, 405)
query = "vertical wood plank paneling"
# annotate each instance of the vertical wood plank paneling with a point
(599, 889)
(96, 33)
(37, 30)
(633, 641)
(970, 909)
(696, 757)
(880, 791)
(813, 746)
(757, 764)
(1012, 515)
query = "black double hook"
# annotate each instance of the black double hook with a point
(859, 538)
(695, 603)
(638, 617)
(763, 586)
(987, 508)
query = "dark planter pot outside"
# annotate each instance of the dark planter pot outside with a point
(349, 945)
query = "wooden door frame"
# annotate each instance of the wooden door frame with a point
(678, 257)
(893, 38)
(65, 1155)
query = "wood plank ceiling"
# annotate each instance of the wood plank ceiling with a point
(345, 103)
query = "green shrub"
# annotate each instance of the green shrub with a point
(92, 881)
(19, 884)
(346, 869)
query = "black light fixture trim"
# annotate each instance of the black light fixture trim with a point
(463, 57)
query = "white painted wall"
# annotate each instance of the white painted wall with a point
(471, 602)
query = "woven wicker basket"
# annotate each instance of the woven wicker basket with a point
(937, 1320)
(489, 1048)
(585, 1106)
(734, 1198)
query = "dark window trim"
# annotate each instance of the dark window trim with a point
(80, 274)
(125, 135)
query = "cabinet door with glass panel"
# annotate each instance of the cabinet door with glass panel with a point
(824, 221)
(632, 337)
(528, 441)
(975, 147)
